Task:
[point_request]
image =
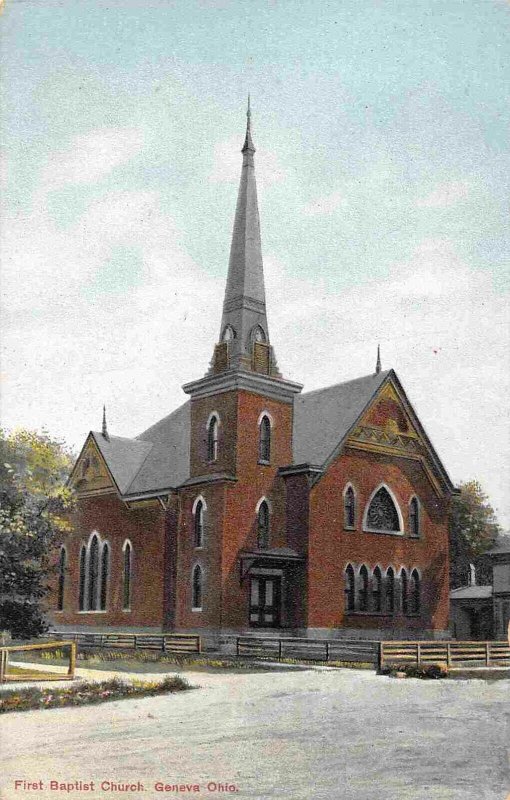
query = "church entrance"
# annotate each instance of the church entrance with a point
(265, 601)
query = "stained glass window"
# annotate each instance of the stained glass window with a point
(382, 514)
(350, 592)
(265, 440)
(349, 508)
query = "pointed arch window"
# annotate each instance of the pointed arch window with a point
(105, 572)
(62, 568)
(199, 524)
(228, 334)
(414, 593)
(263, 522)
(350, 589)
(382, 515)
(83, 578)
(93, 574)
(265, 439)
(363, 589)
(127, 576)
(258, 334)
(377, 590)
(212, 439)
(349, 508)
(414, 517)
(390, 591)
(404, 588)
(197, 588)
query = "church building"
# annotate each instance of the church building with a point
(257, 507)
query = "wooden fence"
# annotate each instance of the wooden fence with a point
(449, 653)
(39, 673)
(354, 650)
(162, 642)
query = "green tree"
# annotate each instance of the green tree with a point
(34, 514)
(473, 530)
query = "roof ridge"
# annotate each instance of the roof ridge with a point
(379, 376)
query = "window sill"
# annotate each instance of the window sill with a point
(384, 533)
(370, 614)
(196, 610)
(264, 463)
(349, 528)
(105, 611)
(199, 547)
(415, 536)
(126, 610)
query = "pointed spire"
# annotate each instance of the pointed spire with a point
(104, 429)
(248, 143)
(378, 363)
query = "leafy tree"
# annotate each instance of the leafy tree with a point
(34, 508)
(473, 530)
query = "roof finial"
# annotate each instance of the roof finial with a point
(248, 144)
(378, 363)
(104, 430)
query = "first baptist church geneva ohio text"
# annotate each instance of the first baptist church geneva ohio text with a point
(255, 506)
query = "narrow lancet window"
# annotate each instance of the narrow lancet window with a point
(263, 526)
(197, 588)
(105, 571)
(414, 517)
(363, 589)
(350, 589)
(62, 567)
(377, 590)
(349, 508)
(265, 440)
(83, 575)
(199, 524)
(127, 577)
(212, 439)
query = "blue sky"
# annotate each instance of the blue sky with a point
(383, 167)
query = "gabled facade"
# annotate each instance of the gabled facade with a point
(254, 506)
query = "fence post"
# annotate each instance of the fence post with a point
(163, 644)
(487, 654)
(448, 654)
(380, 656)
(2, 666)
(327, 651)
(237, 646)
(418, 653)
(72, 660)
(136, 641)
(279, 649)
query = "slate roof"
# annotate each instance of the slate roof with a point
(158, 459)
(323, 418)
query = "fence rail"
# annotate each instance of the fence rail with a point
(37, 673)
(450, 653)
(354, 650)
(161, 642)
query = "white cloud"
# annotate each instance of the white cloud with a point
(91, 156)
(226, 164)
(446, 194)
(326, 205)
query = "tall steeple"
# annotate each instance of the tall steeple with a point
(244, 333)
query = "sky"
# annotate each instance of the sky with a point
(382, 136)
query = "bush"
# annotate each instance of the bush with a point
(423, 671)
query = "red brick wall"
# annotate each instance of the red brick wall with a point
(226, 406)
(332, 547)
(145, 528)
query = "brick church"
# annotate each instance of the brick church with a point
(254, 506)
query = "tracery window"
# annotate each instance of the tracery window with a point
(265, 439)
(62, 566)
(382, 513)
(349, 508)
(363, 589)
(93, 574)
(263, 526)
(196, 589)
(350, 589)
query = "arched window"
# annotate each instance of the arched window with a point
(199, 524)
(349, 508)
(62, 566)
(257, 334)
(196, 588)
(350, 589)
(212, 439)
(228, 334)
(377, 590)
(127, 576)
(414, 517)
(363, 589)
(93, 574)
(105, 570)
(382, 514)
(83, 577)
(404, 586)
(265, 439)
(414, 593)
(263, 526)
(390, 591)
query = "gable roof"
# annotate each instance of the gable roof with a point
(323, 418)
(123, 457)
(167, 463)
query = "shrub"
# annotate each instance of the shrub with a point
(423, 671)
